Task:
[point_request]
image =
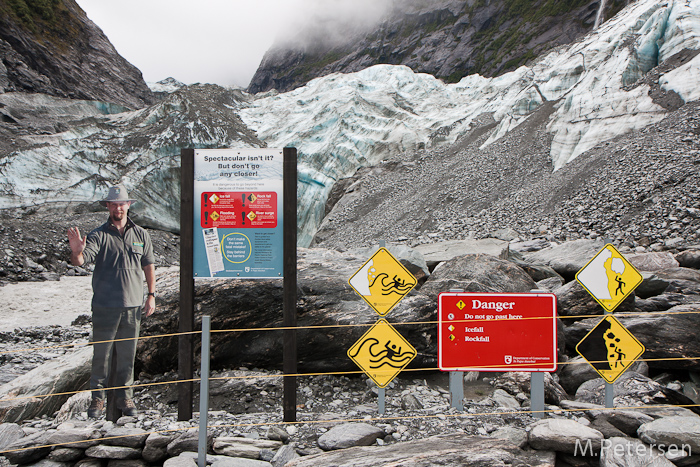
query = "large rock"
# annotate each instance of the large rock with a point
(574, 301)
(156, 448)
(563, 435)
(237, 462)
(243, 447)
(19, 399)
(618, 451)
(451, 449)
(632, 389)
(477, 273)
(689, 258)
(627, 421)
(324, 299)
(567, 258)
(75, 437)
(538, 272)
(103, 451)
(348, 435)
(438, 252)
(127, 437)
(9, 433)
(651, 285)
(678, 431)
(29, 448)
(577, 371)
(652, 261)
(684, 281)
(285, 454)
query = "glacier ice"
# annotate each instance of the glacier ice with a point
(343, 121)
(138, 148)
(340, 122)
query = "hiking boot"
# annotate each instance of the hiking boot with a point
(127, 407)
(97, 406)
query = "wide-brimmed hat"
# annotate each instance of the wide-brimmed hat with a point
(117, 194)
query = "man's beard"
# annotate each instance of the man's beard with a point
(117, 216)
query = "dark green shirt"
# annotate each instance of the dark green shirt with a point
(117, 281)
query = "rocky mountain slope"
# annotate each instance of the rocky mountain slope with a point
(449, 39)
(628, 74)
(464, 149)
(51, 47)
(639, 189)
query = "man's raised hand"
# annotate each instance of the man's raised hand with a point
(77, 245)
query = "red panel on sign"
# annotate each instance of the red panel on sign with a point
(497, 332)
(232, 209)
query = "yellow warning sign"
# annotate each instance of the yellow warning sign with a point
(251, 215)
(382, 353)
(213, 198)
(610, 348)
(382, 281)
(609, 277)
(214, 216)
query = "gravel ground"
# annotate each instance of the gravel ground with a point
(249, 402)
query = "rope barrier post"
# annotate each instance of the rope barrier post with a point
(204, 391)
(457, 390)
(537, 385)
(381, 401)
(289, 358)
(456, 380)
(186, 316)
(609, 388)
(381, 395)
(537, 394)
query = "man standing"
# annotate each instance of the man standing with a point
(120, 250)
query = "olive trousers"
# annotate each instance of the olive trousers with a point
(109, 327)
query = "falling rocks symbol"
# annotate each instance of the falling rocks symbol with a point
(610, 348)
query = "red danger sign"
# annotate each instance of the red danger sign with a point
(238, 210)
(497, 332)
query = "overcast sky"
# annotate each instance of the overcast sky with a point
(211, 41)
(207, 41)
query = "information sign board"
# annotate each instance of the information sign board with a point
(238, 213)
(497, 332)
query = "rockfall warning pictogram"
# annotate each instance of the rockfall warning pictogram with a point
(610, 348)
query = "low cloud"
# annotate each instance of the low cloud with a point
(328, 23)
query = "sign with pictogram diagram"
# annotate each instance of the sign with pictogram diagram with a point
(609, 277)
(610, 348)
(382, 281)
(238, 217)
(382, 353)
(497, 331)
